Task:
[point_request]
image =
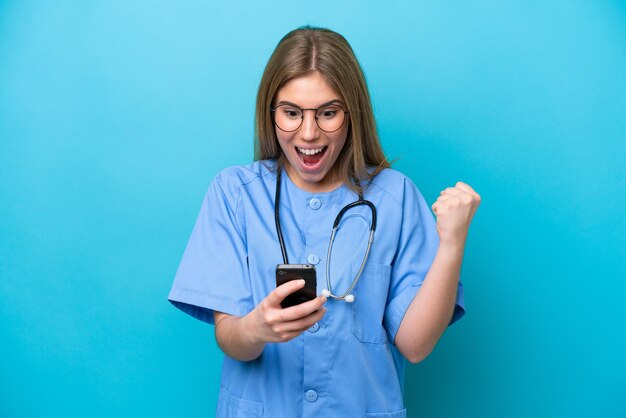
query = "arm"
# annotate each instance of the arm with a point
(430, 312)
(234, 337)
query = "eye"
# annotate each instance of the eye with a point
(328, 112)
(291, 113)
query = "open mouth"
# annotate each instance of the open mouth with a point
(311, 156)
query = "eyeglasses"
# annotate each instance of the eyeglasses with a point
(289, 117)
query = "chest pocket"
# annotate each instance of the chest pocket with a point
(230, 406)
(370, 298)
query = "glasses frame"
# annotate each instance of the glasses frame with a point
(273, 111)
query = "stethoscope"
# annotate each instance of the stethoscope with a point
(328, 292)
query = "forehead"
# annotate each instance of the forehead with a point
(310, 90)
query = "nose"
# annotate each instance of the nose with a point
(309, 129)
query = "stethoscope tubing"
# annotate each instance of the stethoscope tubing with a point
(358, 275)
(279, 231)
(347, 295)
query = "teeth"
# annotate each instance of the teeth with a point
(310, 151)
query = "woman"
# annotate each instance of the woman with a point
(317, 151)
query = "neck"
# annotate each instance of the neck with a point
(328, 184)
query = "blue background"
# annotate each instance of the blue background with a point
(114, 117)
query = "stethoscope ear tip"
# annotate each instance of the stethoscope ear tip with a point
(350, 298)
(326, 293)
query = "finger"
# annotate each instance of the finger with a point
(452, 191)
(284, 290)
(444, 202)
(299, 311)
(468, 189)
(465, 187)
(305, 323)
(456, 193)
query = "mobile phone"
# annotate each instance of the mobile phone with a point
(288, 272)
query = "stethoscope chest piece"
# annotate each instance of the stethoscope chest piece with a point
(348, 298)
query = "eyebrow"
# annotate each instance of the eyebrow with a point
(282, 102)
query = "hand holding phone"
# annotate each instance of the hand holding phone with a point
(269, 322)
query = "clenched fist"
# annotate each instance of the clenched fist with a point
(454, 209)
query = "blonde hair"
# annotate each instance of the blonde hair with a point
(301, 52)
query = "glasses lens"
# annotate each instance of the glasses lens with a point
(330, 118)
(287, 118)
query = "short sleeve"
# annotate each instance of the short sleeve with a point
(415, 254)
(213, 273)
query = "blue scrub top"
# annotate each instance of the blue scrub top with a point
(347, 365)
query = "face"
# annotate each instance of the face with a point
(311, 152)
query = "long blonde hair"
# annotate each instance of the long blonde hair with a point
(299, 53)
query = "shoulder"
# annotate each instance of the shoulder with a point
(231, 179)
(395, 185)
